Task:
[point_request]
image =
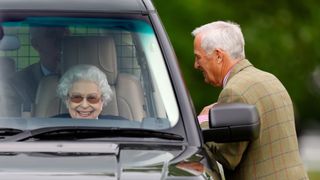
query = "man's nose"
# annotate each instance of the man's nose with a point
(196, 65)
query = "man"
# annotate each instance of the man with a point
(219, 54)
(47, 41)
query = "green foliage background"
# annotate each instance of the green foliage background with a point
(282, 37)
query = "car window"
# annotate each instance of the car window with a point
(125, 49)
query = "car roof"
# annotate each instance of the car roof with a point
(138, 6)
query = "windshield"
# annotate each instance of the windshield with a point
(37, 52)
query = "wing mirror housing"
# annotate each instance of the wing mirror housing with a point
(232, 122)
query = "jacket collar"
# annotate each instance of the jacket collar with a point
(242, 64)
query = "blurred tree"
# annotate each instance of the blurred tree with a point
(281, 37)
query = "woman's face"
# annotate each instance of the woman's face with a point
(84, 100)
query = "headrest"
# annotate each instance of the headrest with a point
(9, 42)
(94, 50)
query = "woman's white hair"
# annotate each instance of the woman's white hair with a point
(224, 35)
(84, 72)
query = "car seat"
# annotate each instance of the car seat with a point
(128, 99)
(7, 98)
(7, 64)
(7, 67)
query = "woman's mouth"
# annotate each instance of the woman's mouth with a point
(85, 113)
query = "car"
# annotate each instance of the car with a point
(154, 132)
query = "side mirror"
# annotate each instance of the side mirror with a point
(232, 122)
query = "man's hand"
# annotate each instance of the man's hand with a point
(203, 117)
(206, 109)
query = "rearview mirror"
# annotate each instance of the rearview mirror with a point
(232, 123)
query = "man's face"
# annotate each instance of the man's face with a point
(47, 41)
(206, 63)
(50, 52)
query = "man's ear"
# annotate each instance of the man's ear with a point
(35, 44)
(219, 60)
(219, 54)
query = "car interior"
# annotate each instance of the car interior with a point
(127, 51)
(128, 99)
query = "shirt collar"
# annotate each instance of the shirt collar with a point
(45, 71)
(225, 79)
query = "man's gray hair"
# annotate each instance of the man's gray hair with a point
(224, 35)
(84, 72)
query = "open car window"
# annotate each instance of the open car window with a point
(125, 49)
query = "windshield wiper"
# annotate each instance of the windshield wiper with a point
(74, 133)
(9, 132)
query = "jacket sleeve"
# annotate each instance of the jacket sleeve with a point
(228, 154)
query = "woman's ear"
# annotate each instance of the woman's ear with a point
(103, 104)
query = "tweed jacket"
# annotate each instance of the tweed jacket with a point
(275, 154)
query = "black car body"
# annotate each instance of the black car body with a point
(163, 141)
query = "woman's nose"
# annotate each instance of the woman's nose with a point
(84, 103)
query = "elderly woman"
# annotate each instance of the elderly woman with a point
(85, 90)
